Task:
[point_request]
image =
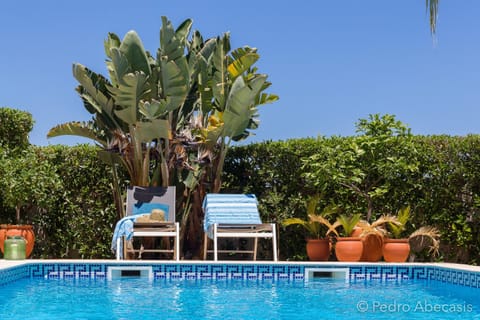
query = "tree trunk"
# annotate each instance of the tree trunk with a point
(17, 213)
(194, 233)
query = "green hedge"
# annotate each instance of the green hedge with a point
(81, 223)
(443, 193)
(78, 219)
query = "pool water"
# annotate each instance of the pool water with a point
(235, 299)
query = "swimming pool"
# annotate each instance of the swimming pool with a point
(81, 290)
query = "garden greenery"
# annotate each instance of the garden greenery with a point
(438, 177)
(168, 119)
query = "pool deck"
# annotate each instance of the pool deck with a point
(5, 264)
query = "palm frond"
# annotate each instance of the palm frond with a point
(323, 221)
(425, 237)
(432, 7)
(292, 221)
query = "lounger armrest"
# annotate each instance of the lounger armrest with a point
(153, 224)
(253, 227)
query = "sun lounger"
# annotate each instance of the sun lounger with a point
(235, 216)
(140, 204)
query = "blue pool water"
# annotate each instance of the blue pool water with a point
(235, 299)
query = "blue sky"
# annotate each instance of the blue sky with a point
(331, 62)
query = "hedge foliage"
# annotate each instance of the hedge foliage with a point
(443, 191)
(15, 126)
(80, 224)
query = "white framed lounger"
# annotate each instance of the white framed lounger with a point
(141, 200)
(235, 216)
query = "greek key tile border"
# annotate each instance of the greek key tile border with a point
(385, 273)
(273, 272)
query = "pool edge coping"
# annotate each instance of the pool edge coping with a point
(463, 275)
(6, 264)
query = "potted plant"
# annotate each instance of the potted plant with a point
(397, 248)
(373, 235)
(348, 248)
(26, 184)
(317, 227)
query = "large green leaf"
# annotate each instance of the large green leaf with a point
(172, 46)
(132, 48)
(112, 41)
(204, 84)
(240, 108)
(174, 83)
(110, 158)
(91, 82)
(243, 59)
(200, 52)
(220, 82)
(183, 30)
(120, 66)
(152, 109)
(81, 129)
(128, 95)
(265, 98)
(148, 131)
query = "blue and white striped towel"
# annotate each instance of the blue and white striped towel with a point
(230, 208)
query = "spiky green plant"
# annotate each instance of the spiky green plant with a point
(317, 225)
(378, 227)
(403, 216)
(348, 223)
(422, 238)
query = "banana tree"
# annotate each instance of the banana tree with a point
(130, 110)
(229, 91)
(170, 119)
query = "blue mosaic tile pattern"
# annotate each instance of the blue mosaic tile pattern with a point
(460, 277)
(385, 273)
(388, 273)
(68, 270)
(272, 272)
(13, 274)
(221, 272)
(174, 271)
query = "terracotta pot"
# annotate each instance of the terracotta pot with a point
(349, 249)
(372, 247)
(357, 231)
(396, 250)
(25, 231)
(318, 249)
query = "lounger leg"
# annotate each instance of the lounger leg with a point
(205, 246)
(255, 246)
(274, 240)
(215, 243)
(118, 248)
(177, 241)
